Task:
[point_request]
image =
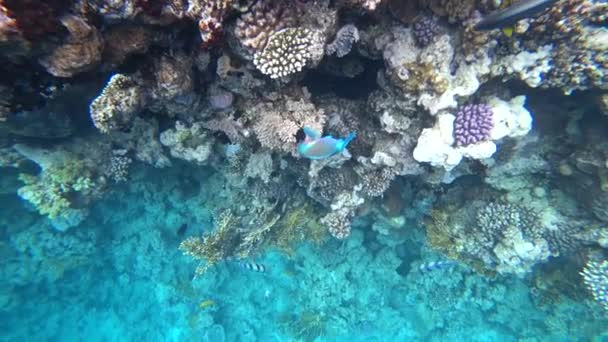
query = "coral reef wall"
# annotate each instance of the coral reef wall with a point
(486, 147)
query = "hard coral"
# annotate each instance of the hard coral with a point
(210, 16)
(288, 51)
(425, 30)
(118, 103)
(473, 124)
(80, 52)
(455, 10)
(343, 43)
(595, 276)
(276, 124)
(263, 19)
(33, 19)
(213, 247)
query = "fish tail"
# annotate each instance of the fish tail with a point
(349, 138)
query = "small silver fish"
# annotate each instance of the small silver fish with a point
(252, 266)
(316, 147)
(435, 265)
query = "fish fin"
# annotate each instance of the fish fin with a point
(311, 133)
(349, 138)
(508, 31)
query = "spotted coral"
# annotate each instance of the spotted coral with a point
(288, 51)
(595, 276)
(118, 103)
(263, 19)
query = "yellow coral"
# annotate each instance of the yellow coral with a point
(301, 223)
(213, 247)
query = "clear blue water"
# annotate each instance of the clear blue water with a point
(119, 276)
(183, 170)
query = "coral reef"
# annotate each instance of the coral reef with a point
(486, 146)
(288, 51)
(343, 42)
(595, 276)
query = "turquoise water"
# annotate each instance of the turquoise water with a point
(120, 276)
(303, 170)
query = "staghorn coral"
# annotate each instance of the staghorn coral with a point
(343, 42)
(81, 50)
(288, 51)
(117, 104)
(215, 246)
(263, 19)
(595, 276)
(473, 124)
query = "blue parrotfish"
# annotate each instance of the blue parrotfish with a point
(316, 147)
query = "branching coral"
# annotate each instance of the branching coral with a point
(64, 186)
(506, 238)
(288, 51)
(215, 246)
(276, 123)
(343, 208)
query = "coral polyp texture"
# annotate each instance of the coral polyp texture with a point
(473, 124)
(595, 276)
(472, 203)
(288, 51)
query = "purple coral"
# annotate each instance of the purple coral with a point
(425, 30)
(473, 124)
